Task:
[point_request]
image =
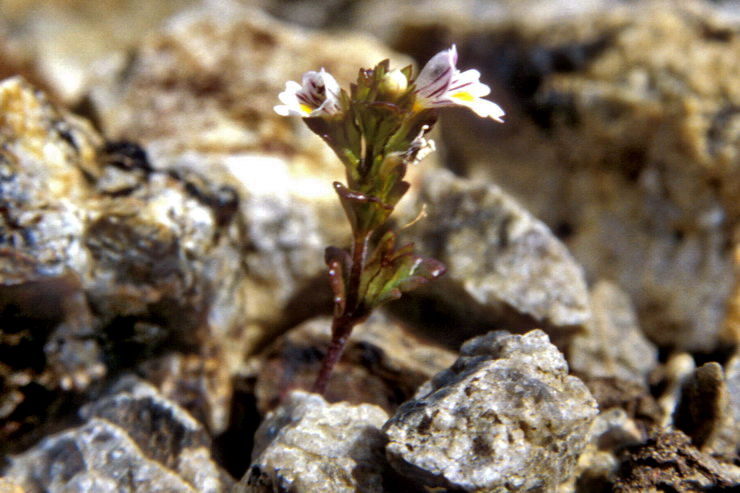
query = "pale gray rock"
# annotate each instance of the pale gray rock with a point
(133, 440)
(614, 347)
(309, 445)
(97, 457)
(505, 417)
(504, 267)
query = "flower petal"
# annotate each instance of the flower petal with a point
(469, 81)
(435, 77)
(482, 107)
(441, 84)
(318, 95)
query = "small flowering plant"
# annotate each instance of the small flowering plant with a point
(377, 129)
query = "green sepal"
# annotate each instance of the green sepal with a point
(389, 272)
(340, 264)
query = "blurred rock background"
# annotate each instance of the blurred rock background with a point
(162, 235)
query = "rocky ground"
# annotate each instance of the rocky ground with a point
(163, 297)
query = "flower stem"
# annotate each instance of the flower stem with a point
(344, 322)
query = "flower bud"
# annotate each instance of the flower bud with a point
(393, 84)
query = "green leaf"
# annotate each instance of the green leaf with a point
(365, 212)
(390, 272)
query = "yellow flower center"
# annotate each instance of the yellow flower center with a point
(464, 96)
(305, 108)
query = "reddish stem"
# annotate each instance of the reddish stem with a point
(343, 323)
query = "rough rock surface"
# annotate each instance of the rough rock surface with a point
(668, 460)
(133, 440)
(505, 268)
(611, 432)
(383, 363)
(621, 135)
(309, 445)
(505, 417)
(614, 347)
(45, 154)
(144, 259)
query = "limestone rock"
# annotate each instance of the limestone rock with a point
(383, 363)
(309, 445)
(614, 347)
(142, 258)
(59, 42)
(504, 267)
(505, 417)
(133, 440)
(45, 154)
(621, 135)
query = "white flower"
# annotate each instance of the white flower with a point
(440, 84)
(318, 95)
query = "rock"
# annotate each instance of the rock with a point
(143, 259)
(674, 372)
(621, 135)
(201, 385)
(207, 83)
(383, 363)
(7, 486)
(45, 154)
(700, 413)
(634, 398)
(668, 460)
(614, 347)
(133, 440)
(706, 412)
(730, 334)
(729, 438)
(61, 42)
(612, 431)
(309, 445)
(504, 267)
(505, 417)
